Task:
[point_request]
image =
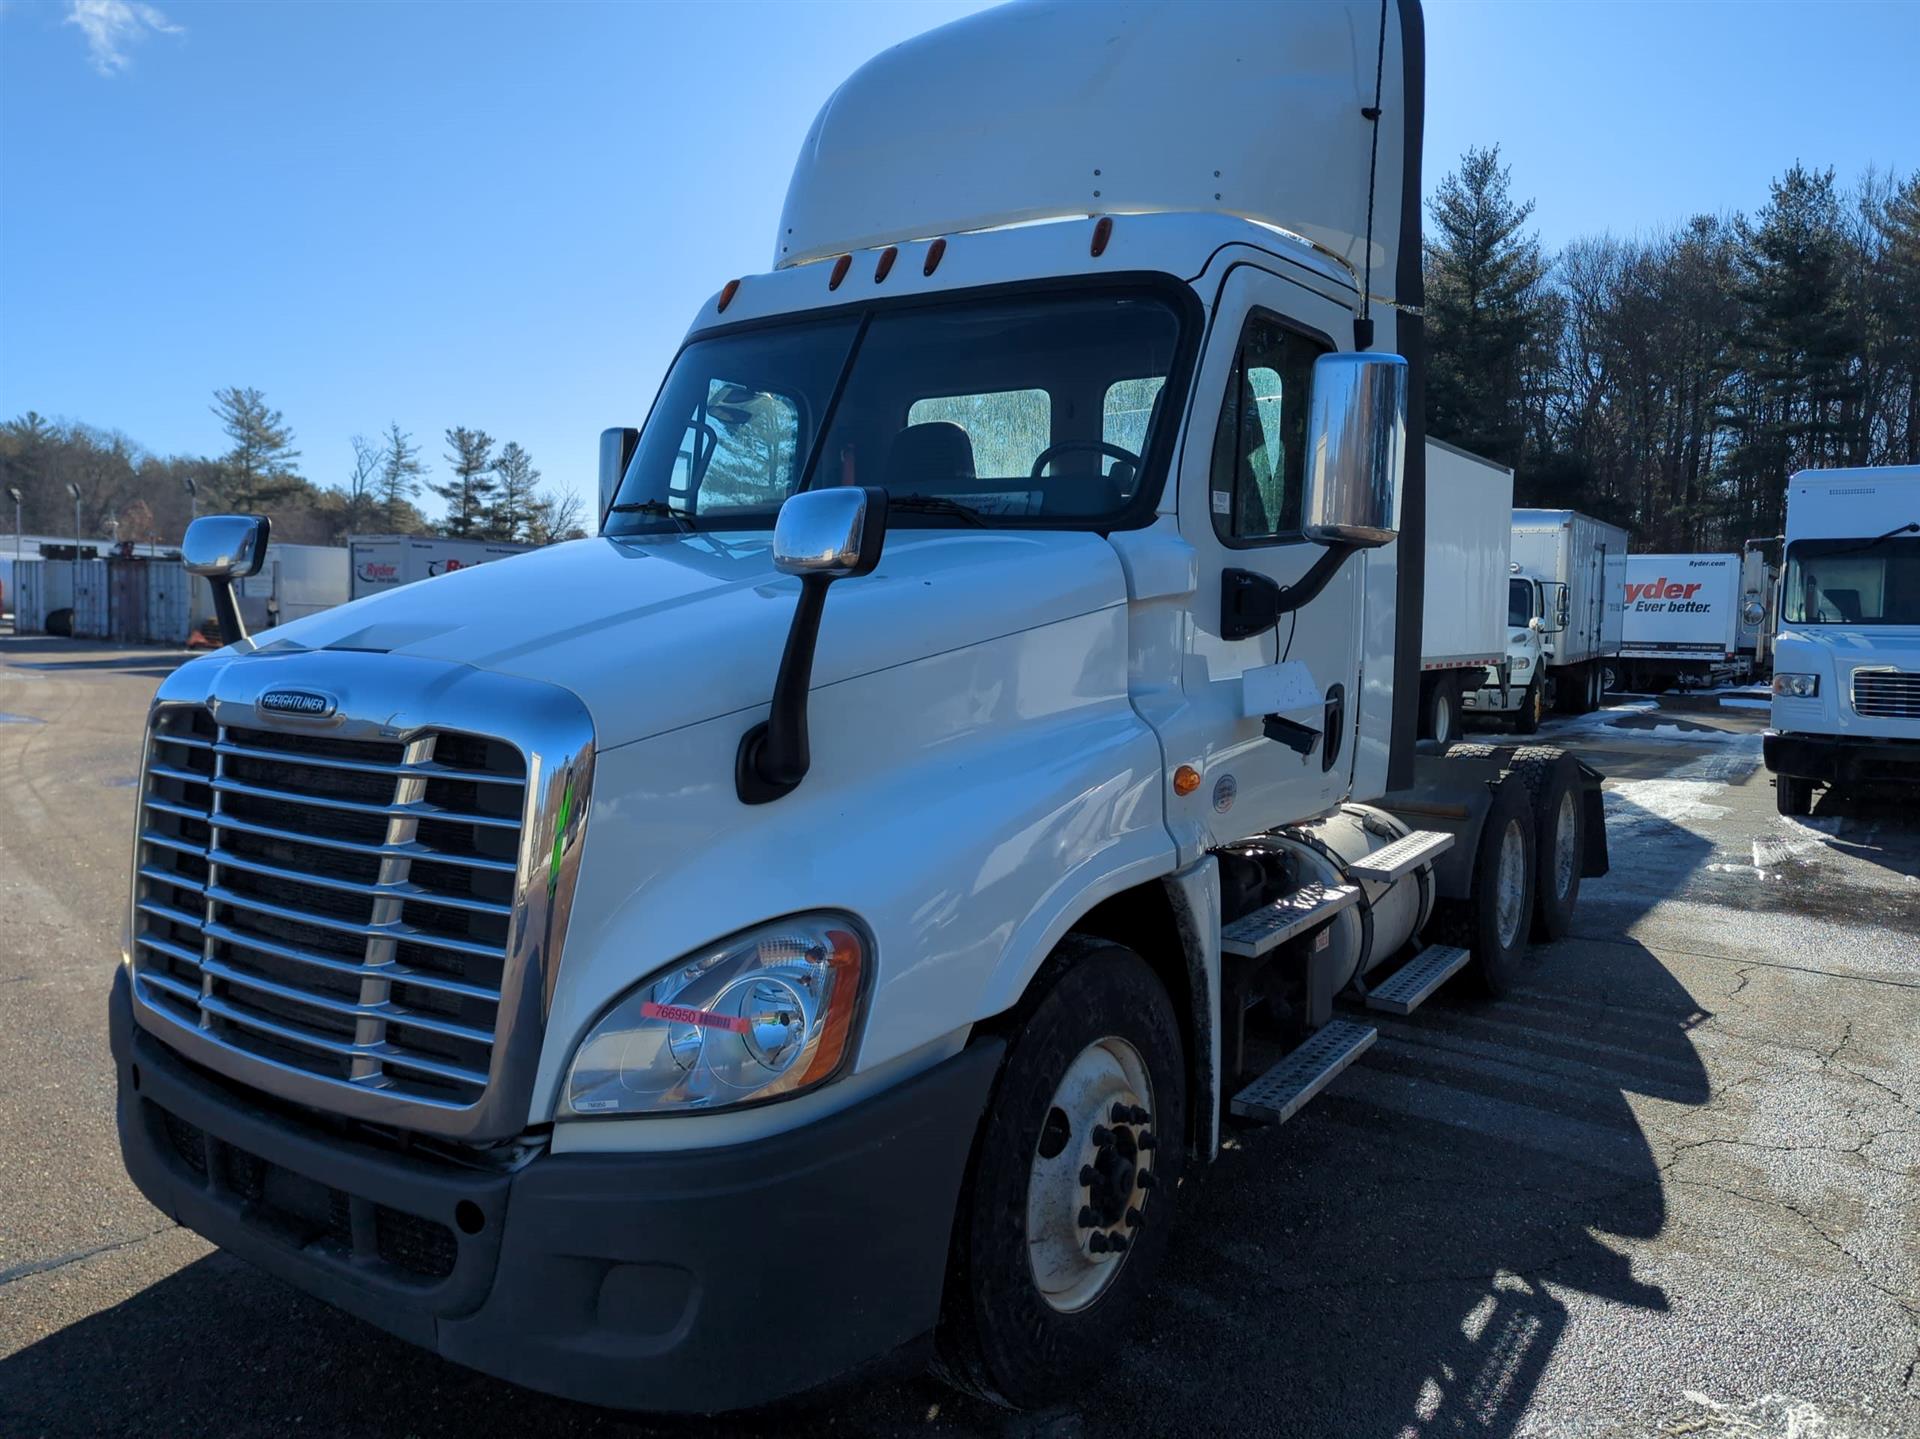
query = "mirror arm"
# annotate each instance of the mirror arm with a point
(1250, 603)
(774, 755)
(225, 609)
(1319, 573)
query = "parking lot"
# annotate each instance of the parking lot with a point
(1668, 1186)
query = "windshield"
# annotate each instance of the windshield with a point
(1039, 411)
(1519, 603)
(1853, 582)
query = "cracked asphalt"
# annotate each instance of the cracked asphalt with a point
(1666, 1187)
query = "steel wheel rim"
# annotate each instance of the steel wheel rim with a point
(1510, 884)
(1443, 720)
(1067, 1272)
(1564, 830)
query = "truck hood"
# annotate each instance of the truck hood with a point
(1854, 645)
(656, 635)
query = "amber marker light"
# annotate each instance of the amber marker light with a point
(840, 268)
(1186, 779)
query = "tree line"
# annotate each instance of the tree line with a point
(1672, 382)
(491, 493)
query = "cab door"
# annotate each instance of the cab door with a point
(1240, 484)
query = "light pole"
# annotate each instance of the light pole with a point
(74, 490)
(14, 490)
(193, 497)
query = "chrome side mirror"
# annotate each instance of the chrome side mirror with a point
(616, 452)
(1754, 611)
(222, 549)
(1356, 449)
(835, 533)
(225, 547)
(821, 536)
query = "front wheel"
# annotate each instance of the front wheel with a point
(1793, 796)
(1070, 1193)
(1533, 707)
(1443, 709)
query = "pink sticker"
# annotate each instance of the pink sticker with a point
(705, 1018)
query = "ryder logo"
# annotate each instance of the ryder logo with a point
(1661, 589)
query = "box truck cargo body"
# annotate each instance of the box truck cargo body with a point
(1846, 662)
(383, 562)
(1681, 621)
(1463, 623)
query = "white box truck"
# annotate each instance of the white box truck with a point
(1682, 621)
(822, 919)
(384, 562)
(1846, 662)
(1464, 611)
(1565, 589)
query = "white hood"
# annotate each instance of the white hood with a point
(656, 635)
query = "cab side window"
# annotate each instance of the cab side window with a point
(1259, 451)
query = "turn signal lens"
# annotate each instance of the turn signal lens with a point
(1186, 779)
(758, 1017)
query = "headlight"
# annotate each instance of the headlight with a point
(762, 1015)
(1522, 662)
(1799, 687)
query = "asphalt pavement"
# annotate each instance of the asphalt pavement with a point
(1666, 1187)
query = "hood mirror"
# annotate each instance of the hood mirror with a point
(222, 549)
(616, 451)
(821, 536)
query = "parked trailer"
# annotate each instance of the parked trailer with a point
(384, 562)
(1682, 621)
(821, 918)
(295, 581)
(1464, 614)
(1564, 612)
(1846, 677)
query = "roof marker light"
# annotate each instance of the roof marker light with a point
(727, 292)
(840, 267)
(934, 253)
(885, 267)
(1102, 232)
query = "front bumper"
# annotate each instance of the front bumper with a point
(691, 1281)
(1837, 760)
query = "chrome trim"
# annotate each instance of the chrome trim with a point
(1892, 693)
(396, 700)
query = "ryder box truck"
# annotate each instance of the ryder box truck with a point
(821, 920)
(1681, 621)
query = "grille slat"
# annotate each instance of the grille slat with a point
(342, 918)
(1887, 694)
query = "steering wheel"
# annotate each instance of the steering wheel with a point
(1125, 456)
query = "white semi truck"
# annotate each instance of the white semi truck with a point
(820, 922)
(1846, 662)
(1564, 614)
(1463, 624)
(1682, 621)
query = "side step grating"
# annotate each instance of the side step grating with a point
(1402, 856)
(1415, 981)
(1252, 935)
(1278, 1095)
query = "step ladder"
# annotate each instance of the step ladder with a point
(1403, 856)
(1252, 935)
(1276, 1096)
(1414, 982)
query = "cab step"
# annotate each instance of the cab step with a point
(1276, 1096)
(1415, 981)
(1252, 935)
(1403, 856)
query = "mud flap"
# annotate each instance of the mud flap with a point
(1593, 817)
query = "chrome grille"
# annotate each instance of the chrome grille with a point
(1887, 694)
(337, 906)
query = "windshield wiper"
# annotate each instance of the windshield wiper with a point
(1911, 528)
(654, 507)
(936, 505)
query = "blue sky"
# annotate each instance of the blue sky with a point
(503, 215)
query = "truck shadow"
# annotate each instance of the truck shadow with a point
(1397, 1261)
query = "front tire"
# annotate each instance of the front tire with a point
(1082, 1146)
(1442, 719)
(1533, 706)
(1793, 796)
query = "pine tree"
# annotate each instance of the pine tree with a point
(1488, 320)
(400, 472)
(469, 493)
(258, 471)
(512, 511)
(1896, 221)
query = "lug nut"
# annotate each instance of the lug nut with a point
(1139, 1115)
(1120, 1114)
(1145, 1179)
(1116, 1242)
(1098, 1244)
(1133, 1219)
(1088, 1219)
(1089, 1176)
(1102, 1136)
(1147, 1141)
